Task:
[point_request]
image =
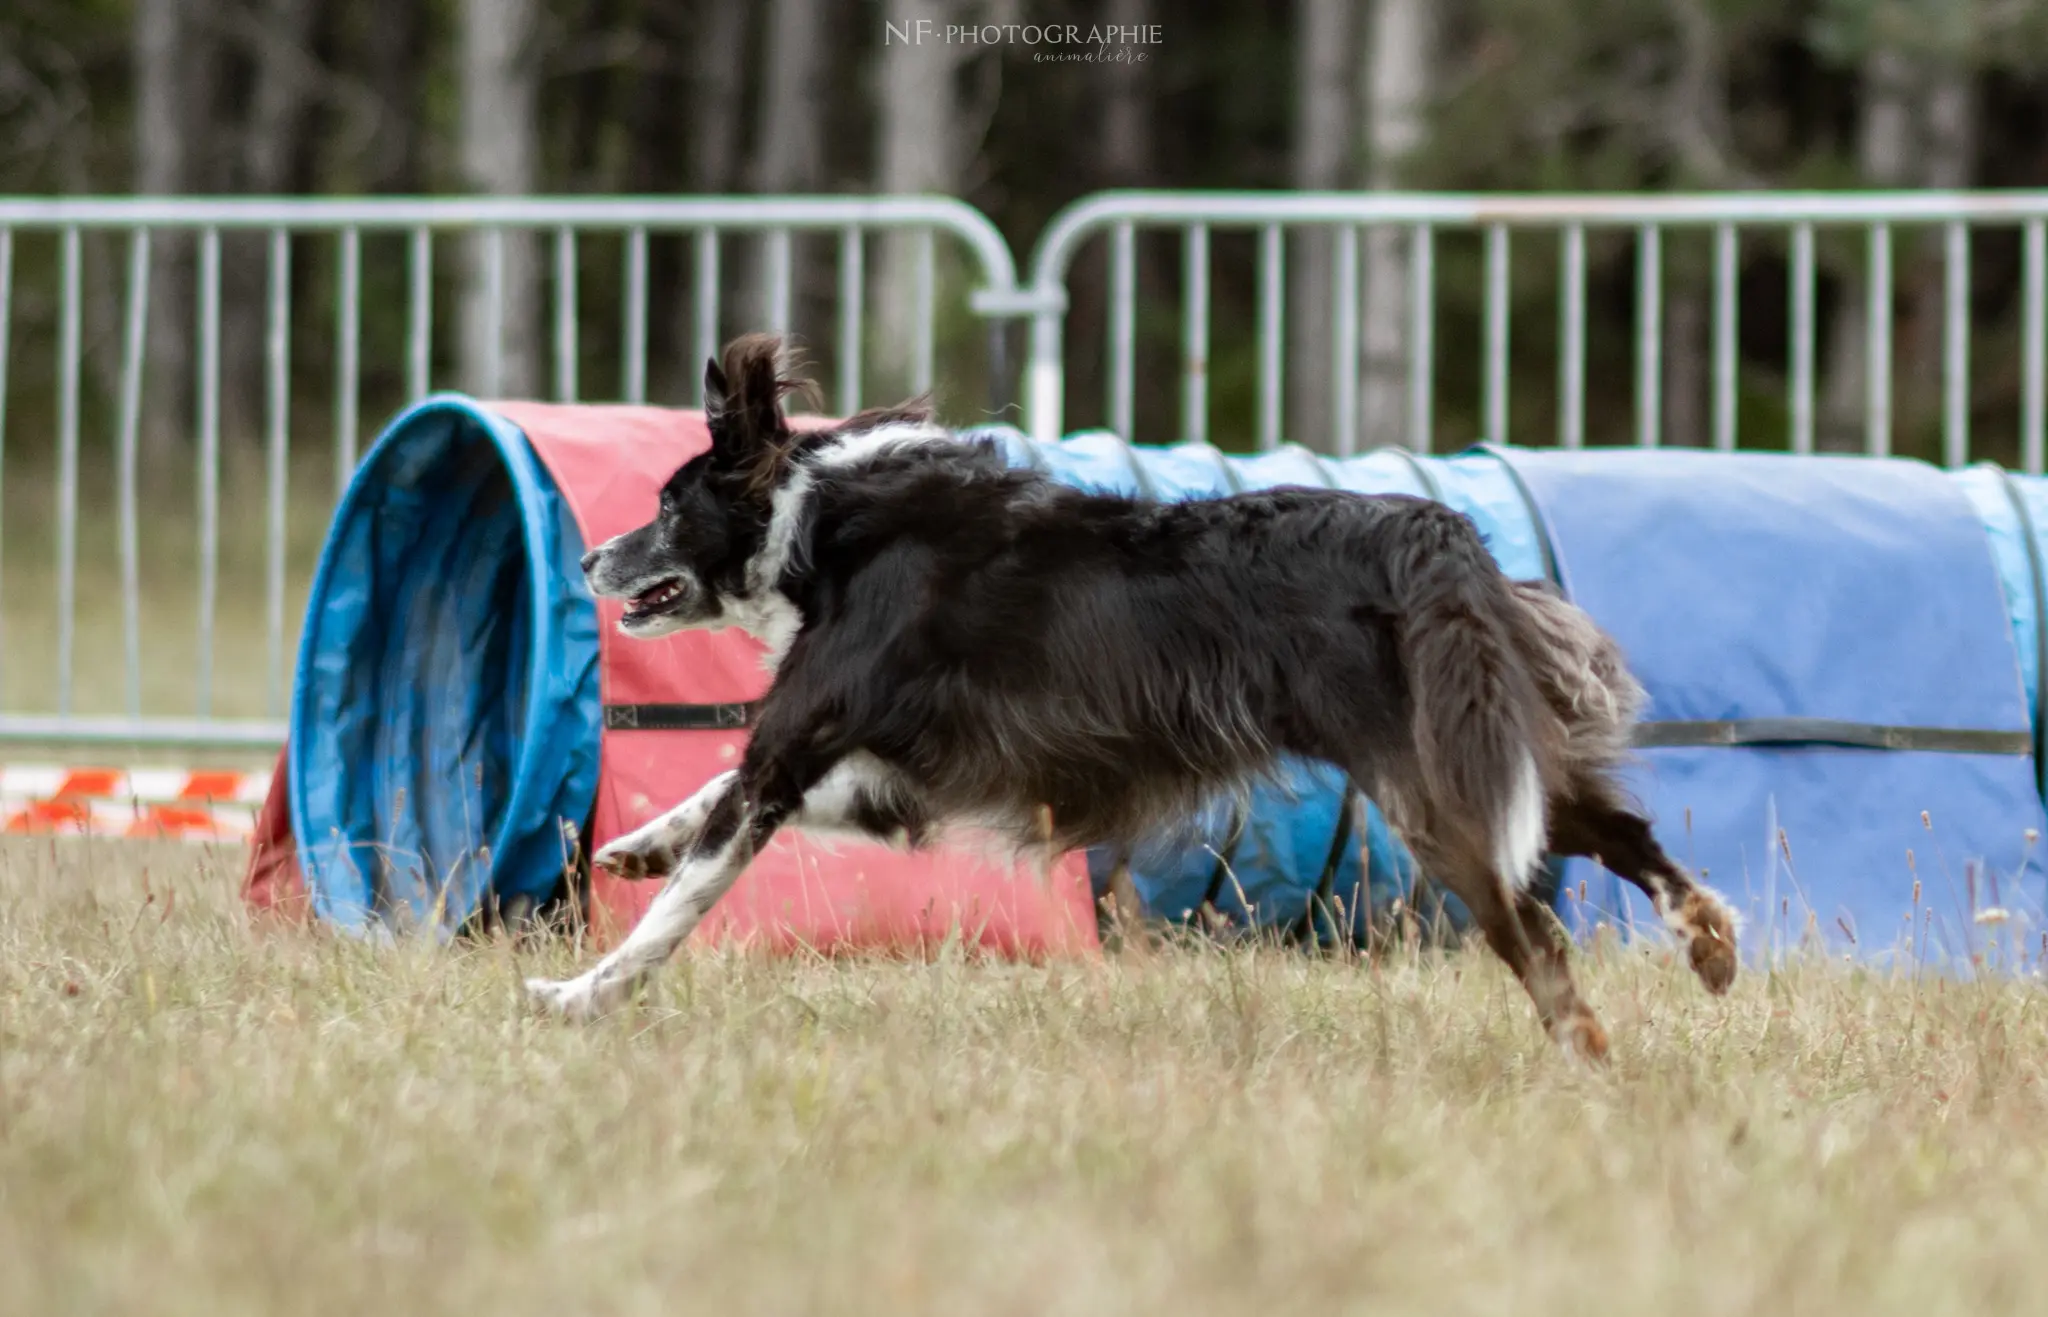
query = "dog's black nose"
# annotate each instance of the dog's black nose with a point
(589, 561)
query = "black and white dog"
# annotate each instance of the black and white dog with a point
(960, 642)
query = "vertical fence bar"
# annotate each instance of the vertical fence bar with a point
(1344, 361)
(493, 382)
(1194, 330)
(2033, 350)
(277, 400)
(1048, 372)
(1877, 345)
(1271, 307)
(277, 407)
(633, 387)
(852, 305)
(1421, 337)
(1001, 386)
(565, 314)
(1571, 355)
(1955, 429)
(707, 306)
(70, 313)
(347, 358)
(1496, 401)
(209, 459)
(1649, 336)
(778, 280)
(1802, 338)
(1123, 297)
(6, 344)
(924, 352)
(419, 316)
(1726, 311)
(127, 443)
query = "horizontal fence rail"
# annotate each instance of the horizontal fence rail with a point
(1403, 236)
(366, 282)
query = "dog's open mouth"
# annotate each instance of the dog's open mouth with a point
(655, 598)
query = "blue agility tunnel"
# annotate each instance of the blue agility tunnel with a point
(1832, 646)
(1843, 658)
(444, 715)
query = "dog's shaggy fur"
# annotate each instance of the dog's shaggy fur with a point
(960, 642)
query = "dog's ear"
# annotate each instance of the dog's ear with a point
(715, 389)
(743, 395)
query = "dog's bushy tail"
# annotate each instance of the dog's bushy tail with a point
(1480, 727)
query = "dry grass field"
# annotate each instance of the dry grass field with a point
(198, 1116)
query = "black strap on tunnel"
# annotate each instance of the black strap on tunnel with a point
(1830, 731)
(2026, 520)
(1817, 731)
(1239, 820)
(1325, 896)
(678, 717)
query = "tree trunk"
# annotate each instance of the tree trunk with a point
(393, 41)
(792, 145)
(1126, 158)
(1884, 157)
(1401, 64)
(270, 140)
(790, 153)
(1700, 138)
(718, 84)
(162, 169)
(918, 151)
(720, 77)
(1685, 383)
(1324, 70)
(500, 135)
(1948, 142)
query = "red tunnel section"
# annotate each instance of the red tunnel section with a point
(801, 893)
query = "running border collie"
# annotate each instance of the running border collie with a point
(957, 642)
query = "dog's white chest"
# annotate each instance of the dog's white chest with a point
(771, 619)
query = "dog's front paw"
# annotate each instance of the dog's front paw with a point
(634, 857)
(577, 1000)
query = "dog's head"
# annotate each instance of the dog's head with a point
(696, 565)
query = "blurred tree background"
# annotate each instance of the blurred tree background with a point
(709, 96)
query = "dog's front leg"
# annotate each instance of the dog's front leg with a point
(704, 844)
(652, 849)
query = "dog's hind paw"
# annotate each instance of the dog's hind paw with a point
(1583, 1039)
(1712, 940)
(577, 999)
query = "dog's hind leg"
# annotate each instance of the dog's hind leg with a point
(1594, 824)
(1517, 927)
(1530, 941)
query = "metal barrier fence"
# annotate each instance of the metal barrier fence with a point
(1415, 222)
(288, 225)
(1421, 218)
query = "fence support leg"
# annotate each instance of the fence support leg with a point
(1000, 394)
